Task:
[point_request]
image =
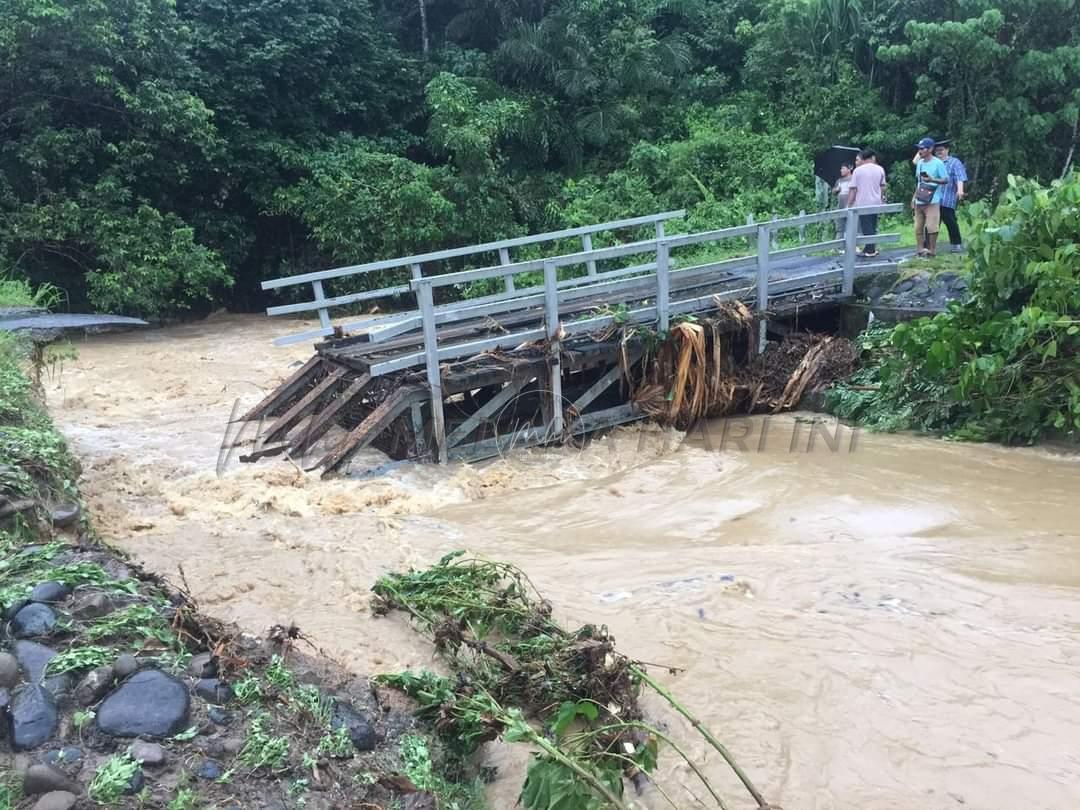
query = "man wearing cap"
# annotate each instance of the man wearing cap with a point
(954, 193)
(931, 177)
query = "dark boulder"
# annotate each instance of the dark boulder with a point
(50, 592)
(33, 620)
(9, 670)
(33, 658)
(213, 691)
(361, 730)
(32, 717)
(46, 779)
(148, 703)
(94, 685)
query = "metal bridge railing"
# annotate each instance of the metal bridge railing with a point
(650, 280)
(416, 266)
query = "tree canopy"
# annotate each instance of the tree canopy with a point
(160, 158)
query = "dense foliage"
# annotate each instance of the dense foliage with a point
(1004, 365)
(159, 157)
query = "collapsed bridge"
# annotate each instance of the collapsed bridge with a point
(543, 353)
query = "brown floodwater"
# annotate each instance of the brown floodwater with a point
(868, 621)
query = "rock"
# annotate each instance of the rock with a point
(60, 686)
(136, 783)
(5, 700)
(213, 691)
(45, 779)
(32, 717)
(94, 685)
(232, 745)
(65, 515)
(33, 620)
(56, 800)
(148, 703)
(203, 665)
(361, 730)
(9, 670)
(211, 746)
(14, 608)
(50, 592)
(219, 716)
(126, 664)
(149, 754)
(209, 769)
(69, 760)
(92, 605)
(33, 658)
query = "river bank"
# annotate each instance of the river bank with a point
(889, 625)
(116, 690)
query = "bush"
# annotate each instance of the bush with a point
(1004, 365)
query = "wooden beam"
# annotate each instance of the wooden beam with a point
(376, 422)
(325, 418)
(283, 392)
(306, 404)
(487, 409)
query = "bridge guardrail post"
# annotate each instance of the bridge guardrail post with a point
(504, 259)
(763, 245)
(851, 232)
(551, 317)
(434, 374)
(586, 245)
(663, 284)
(320, 296)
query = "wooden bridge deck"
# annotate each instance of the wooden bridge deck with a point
(465, 379)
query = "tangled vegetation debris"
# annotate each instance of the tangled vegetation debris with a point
(518, 671)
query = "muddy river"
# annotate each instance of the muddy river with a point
(869, 622)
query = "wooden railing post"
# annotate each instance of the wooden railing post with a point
(802, 228)
(660, 229)
(504, 259)
(551, 316)
(586, 245)
(752, 240)
(775, 240)
(434, 374)
(763, 244)
(663, 284)
(851, 232)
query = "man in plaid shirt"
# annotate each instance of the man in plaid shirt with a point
(953, 194)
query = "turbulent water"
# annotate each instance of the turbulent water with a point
(868, 621)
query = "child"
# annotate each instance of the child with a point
(843, 185)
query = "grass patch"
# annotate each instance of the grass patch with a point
(10, 790)
(262, 750)
(185, 799)
(421, 770)
(141, 621)
(337, 744)
(112, 779)
(74, 659)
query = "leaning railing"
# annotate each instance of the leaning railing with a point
(425, 263)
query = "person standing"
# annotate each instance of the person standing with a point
(867, 188)
(953, 194)
(841, 189)
(931, 177)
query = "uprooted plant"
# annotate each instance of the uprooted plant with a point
(518, 670)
